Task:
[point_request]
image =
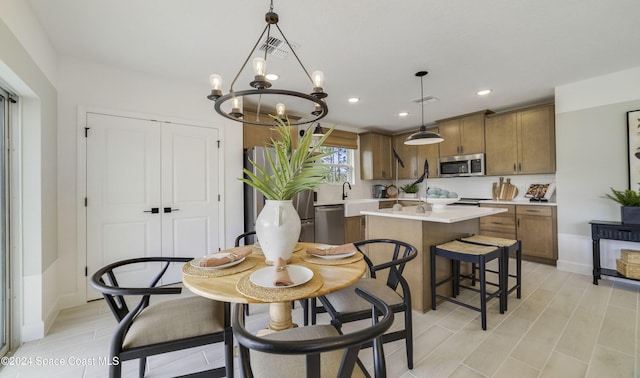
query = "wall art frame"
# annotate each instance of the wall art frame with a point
(633, 135)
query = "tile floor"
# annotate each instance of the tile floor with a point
(563, 326)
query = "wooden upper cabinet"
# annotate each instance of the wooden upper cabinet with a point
(430, 153)
(253, 135)
(537, 141)
(463, 135)
(375, 156)
(409, 156)
(521, 142)
(501, 153)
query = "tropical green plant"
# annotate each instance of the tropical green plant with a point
(292, 170)
(625, 197)
(410, 188)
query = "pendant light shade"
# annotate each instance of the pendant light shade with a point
(423, 136)
(317, 131)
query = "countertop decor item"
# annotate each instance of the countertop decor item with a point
(504, 190)
(410, 188)
(261, 87)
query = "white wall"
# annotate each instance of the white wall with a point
(88, 84)
(27, 68)
(591, 149)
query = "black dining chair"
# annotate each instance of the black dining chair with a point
(344, 306)
(247, 238)
(317, 350)
(147, 329)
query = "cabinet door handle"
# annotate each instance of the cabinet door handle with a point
(514, 167)
(519, 167)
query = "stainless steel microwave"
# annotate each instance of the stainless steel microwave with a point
(462, 165)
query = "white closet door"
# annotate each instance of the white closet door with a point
(123, 185)
(189, 193)
(152, 190)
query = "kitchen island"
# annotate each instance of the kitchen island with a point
(423, 230)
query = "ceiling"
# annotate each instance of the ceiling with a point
(370, 49)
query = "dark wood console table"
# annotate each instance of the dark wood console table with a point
(612, 231)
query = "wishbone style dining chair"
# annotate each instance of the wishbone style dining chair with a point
(148, 329)
(344, 306)
(317, 350)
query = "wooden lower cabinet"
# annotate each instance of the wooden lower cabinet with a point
(538, 232)
(388, 204)
(534, 226)
(354, 228)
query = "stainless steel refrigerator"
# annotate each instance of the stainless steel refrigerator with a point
(254, 200)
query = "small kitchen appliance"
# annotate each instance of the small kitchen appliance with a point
(379, 191)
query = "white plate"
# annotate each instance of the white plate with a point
(196, 262)
(335, 257)
(264, 277)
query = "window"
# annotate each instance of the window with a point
(340, 162)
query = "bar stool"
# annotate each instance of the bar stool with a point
(457, 252)
(508, 247)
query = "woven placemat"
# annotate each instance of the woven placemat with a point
(320, 261)
(189, 270)
(281, 294)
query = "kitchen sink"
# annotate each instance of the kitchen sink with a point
(352, 208)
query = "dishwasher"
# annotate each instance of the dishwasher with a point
(330, 224)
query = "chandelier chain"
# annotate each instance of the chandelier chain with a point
(294, 54)
(248, 57)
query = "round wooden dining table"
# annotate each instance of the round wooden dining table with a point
(329, 276)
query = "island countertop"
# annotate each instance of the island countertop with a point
(449, 214)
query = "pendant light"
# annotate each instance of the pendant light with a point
(423, 136)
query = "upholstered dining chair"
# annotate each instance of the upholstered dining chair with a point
(147, 329)
(318, 350)
(344, 306)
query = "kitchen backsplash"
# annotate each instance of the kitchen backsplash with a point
(470, 187)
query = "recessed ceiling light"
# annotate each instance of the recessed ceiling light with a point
(272, 76)
(353, 100)
(483, 92)
(403, 114)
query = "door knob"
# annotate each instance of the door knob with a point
(154, 210)
(168, 209)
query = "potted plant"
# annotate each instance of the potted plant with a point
(410, 190)
(630, 204)
(289, 172)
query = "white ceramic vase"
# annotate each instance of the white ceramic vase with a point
(278, 229)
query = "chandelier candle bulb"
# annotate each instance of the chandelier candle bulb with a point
(259, 66)
(318, 79)
(236, 107)
(280, 110)
(216, 86)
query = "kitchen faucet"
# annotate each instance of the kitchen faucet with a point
(344, 194)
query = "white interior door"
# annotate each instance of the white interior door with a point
(152, 190)
(189, 193)
(123, 186)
